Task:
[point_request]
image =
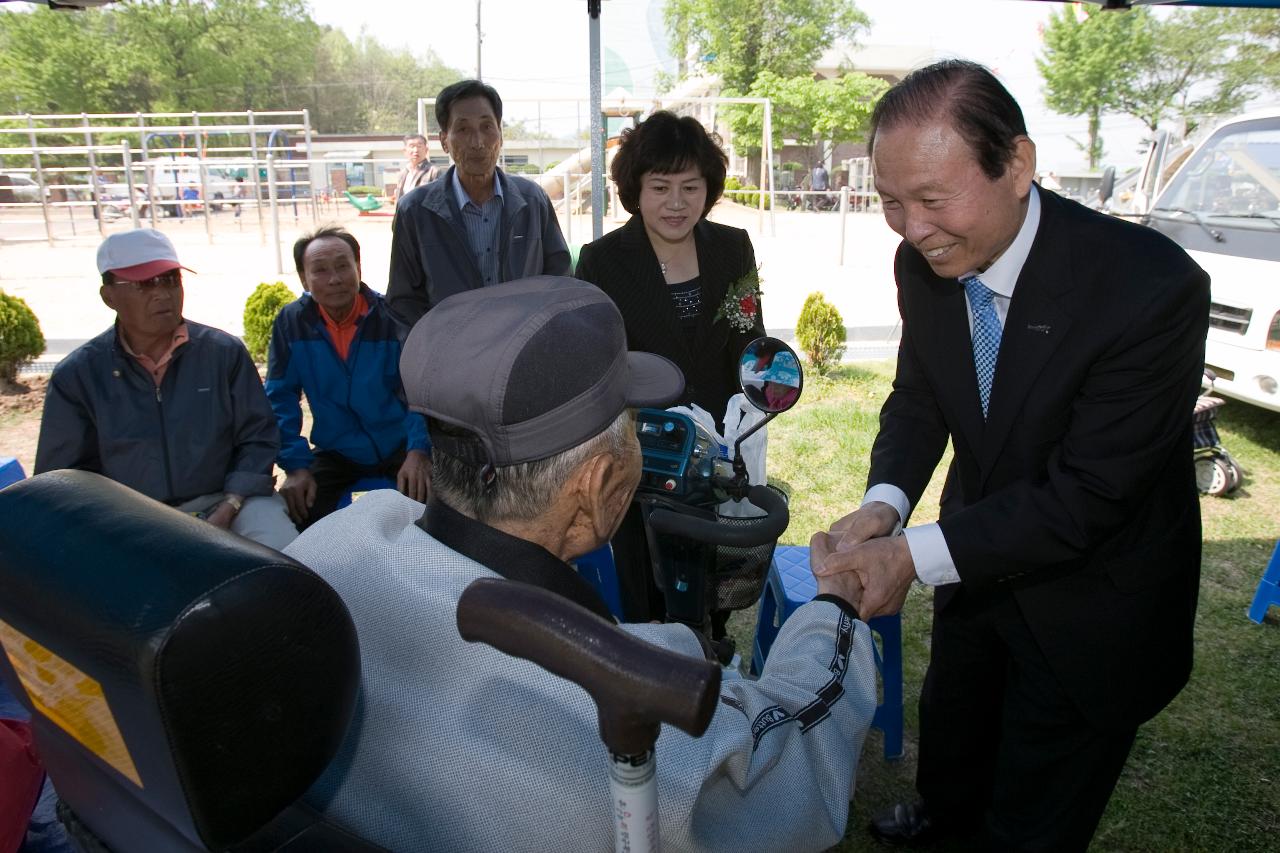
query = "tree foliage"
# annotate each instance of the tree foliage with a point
(817, 112)
(1082, 54)
(1156, 68)
(739, 39)
(1188, 69)
(202, 55)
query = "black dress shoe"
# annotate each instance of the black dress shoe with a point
(906, 824)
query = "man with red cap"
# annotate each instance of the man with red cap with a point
(163, 405)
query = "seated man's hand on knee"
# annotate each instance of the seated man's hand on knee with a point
(299, 493)
(414, 478)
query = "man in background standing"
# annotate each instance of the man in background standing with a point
(417, 169)
(477, 226)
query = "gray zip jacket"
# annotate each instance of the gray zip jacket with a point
(457, 747)
(208, 428)
(431, 258)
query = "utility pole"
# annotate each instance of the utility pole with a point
(479, 39)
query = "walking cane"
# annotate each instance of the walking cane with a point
(636, 685)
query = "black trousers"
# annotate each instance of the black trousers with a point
(1006, 757)
(335, 474)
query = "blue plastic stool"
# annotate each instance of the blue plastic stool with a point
(10, 471)
(790, 585)
(1268, 588)
(598, 568)
(368, 484)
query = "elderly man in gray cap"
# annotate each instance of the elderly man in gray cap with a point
(529, 393)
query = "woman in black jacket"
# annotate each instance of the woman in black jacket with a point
(687, 288)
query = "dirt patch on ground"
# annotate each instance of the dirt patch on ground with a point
(20, 408)
(24, 396)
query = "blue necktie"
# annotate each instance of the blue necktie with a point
(986, 335)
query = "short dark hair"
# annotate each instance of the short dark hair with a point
(300, 246)
(461, 90)
(666, 143)
(979, 108)
(409, 137)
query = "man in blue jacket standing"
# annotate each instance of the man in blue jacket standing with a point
(477, 226)
(340, 345)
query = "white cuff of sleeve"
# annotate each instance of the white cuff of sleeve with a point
(931, 555)
(893, 496)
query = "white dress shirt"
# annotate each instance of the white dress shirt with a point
(929, 551)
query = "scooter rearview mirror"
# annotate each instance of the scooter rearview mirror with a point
(771, 379)
(770, 375)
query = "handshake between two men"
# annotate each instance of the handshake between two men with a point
(861, 559)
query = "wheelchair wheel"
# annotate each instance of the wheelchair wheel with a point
(1216, 476)
(1233, 475)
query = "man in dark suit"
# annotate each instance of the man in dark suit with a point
(1060, 352)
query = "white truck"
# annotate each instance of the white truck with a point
(1223, 206)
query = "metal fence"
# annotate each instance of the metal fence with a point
(148, 165)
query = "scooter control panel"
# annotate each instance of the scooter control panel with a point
(678, 454)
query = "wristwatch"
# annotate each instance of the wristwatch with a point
(236, 502)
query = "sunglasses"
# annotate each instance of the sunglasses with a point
(168, 280)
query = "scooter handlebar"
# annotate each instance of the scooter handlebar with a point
(756, 532)
(636, 685)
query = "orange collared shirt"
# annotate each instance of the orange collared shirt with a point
(157, 368)
(343, 332)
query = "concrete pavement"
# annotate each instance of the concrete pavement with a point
(60, 282)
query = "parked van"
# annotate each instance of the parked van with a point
(171, 176)
(1223, 206)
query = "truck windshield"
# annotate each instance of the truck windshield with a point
(1236, 174)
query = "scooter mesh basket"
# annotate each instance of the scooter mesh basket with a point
(741, 572)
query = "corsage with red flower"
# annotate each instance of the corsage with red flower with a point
(741, 302)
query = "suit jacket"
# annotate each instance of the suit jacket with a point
(623, 264)
(431, 258)
(1077, 495)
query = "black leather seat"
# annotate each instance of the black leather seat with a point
(186, 685)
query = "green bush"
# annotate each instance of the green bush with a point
(736, 191)
(820, 333)
(20, 337)
(361, 189)
(792, 166)
(260, 311)
(523, 169)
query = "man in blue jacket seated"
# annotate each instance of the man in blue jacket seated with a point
(529, 392)
(164, 405)
(340, 345)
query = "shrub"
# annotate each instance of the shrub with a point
(260, 311)
(20, 337)
(820, 333)
(361, 189)
(792, 166)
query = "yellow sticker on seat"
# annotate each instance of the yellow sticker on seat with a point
(69, 697)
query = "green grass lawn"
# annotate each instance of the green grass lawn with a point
(1203, 775)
